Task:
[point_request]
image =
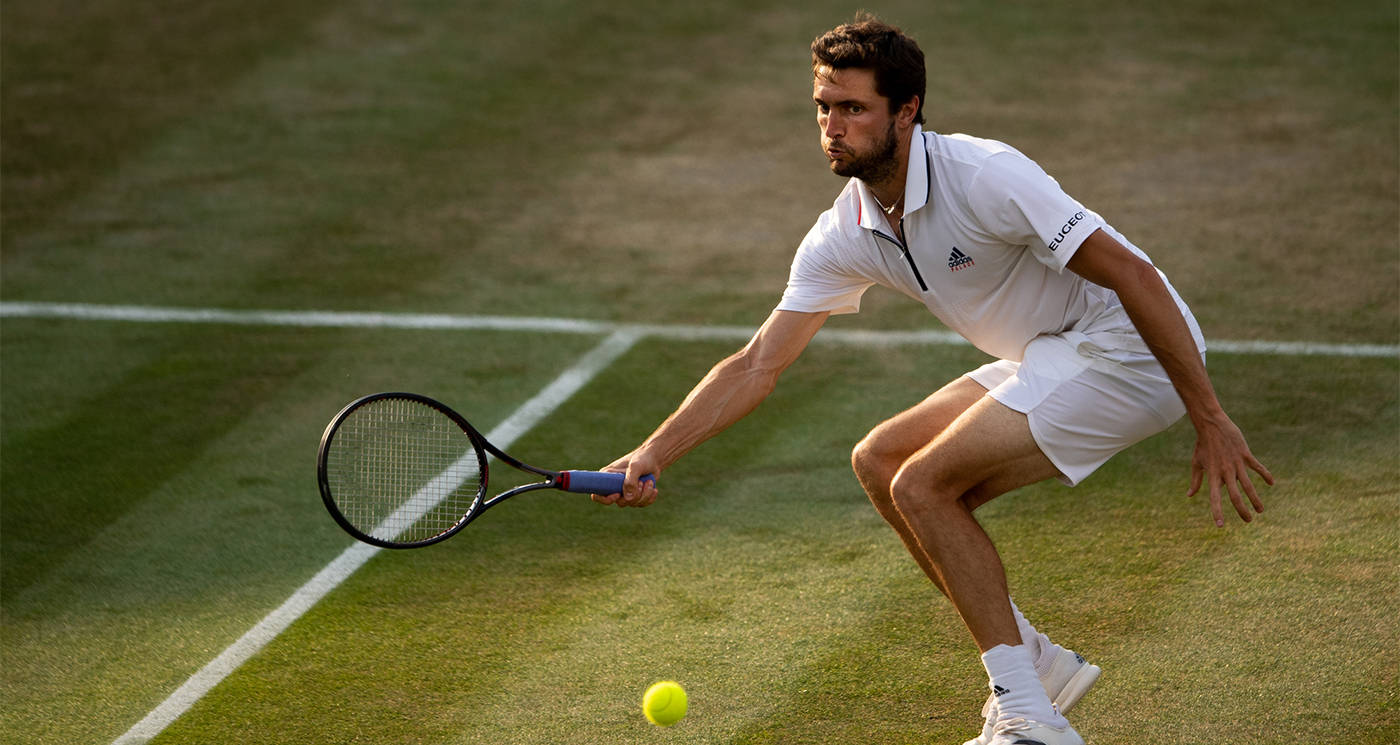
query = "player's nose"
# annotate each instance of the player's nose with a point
(833, 127)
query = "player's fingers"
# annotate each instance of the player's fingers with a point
(638, 487)
(1250, 491)
(1196, 473)
(1215, 511)
(622, 496)
(1260, 469)
(646, 492)
(1233, 488)
(605, 498)
(632, 487)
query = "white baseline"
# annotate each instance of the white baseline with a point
(422, 321)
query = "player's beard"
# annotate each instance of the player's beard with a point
(873, 166)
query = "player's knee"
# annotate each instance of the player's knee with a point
(907, 494)
(874, 466)
(916, 490)
(863, 460)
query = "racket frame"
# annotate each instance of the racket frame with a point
(482, 446)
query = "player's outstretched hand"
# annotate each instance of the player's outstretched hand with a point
(1223, 460)
(636, 491)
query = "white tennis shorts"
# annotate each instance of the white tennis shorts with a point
(1084, 405)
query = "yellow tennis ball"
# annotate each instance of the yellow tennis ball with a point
(664, 703)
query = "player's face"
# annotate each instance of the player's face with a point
(858, 130)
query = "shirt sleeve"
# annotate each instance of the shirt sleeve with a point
(818, 281)
(1021, 204)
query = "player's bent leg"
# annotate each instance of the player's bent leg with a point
(884, 451)
(990, 446)
(879, 456)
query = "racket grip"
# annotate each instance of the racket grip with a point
(594, 482)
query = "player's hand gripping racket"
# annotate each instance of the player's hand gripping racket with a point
(400, 470)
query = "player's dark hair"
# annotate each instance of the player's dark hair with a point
(868, 43)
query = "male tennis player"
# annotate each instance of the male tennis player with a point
(1096, 351)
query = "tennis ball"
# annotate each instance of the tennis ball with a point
(664, 703)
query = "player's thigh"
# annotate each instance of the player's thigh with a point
(906, 433)
(985, 451)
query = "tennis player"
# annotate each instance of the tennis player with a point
(1095, 351)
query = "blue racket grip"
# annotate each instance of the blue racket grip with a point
(594, 482)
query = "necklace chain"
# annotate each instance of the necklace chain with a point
(890, 209)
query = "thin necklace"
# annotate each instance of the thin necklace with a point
(890, 209)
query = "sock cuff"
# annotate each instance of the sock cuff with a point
(1043, 651)
(1005, 658)
(1018, 690)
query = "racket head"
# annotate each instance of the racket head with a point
(401, 470)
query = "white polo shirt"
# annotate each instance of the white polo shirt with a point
(988, 234)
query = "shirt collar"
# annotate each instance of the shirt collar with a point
(917, 180)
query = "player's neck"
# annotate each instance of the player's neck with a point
(893, 208)
(889, 190)
(890, 196)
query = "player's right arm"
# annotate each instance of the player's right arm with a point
(733, 388)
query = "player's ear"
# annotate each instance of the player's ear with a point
(908, 112)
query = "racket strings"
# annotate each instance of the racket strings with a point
(402, 471)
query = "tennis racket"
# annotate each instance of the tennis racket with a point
(400, 470)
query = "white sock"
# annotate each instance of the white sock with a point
(1017, 688)
(1043, 651)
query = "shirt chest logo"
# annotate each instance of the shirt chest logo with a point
(957, 260)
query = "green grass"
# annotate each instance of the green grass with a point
(658, 164)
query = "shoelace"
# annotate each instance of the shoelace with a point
(1011, 726)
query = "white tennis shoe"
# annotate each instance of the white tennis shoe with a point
(1025, 732)
(989, 716)
(1069, 678)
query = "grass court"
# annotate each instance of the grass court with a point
(625, 163)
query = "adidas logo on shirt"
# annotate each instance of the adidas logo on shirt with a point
(959, 260)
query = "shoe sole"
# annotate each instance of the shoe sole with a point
(1075, 688)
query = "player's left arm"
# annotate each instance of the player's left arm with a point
(1222, 457)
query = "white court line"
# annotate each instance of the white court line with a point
(419, 321)
(527, 416)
